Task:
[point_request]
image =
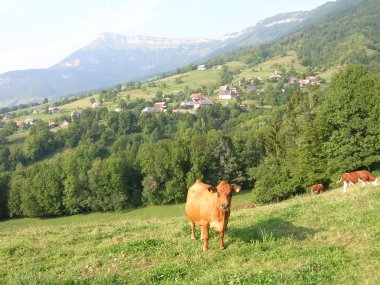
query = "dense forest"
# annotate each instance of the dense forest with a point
(111, 161)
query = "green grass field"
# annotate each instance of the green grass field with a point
(332, 238)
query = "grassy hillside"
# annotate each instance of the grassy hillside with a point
(192, 81)
(332, 238)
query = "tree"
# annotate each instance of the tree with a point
(17, 185)
(77, 195)
(4, 190)
(112, 182)
(158, 95)
(226, 76)
(5, 162)
(39, 142)
(349, 116)
(164, 166)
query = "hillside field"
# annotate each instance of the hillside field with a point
(331, 238)
(192, 79)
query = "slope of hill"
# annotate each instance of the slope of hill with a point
(113, 59)
(348, 34)
(330, 238)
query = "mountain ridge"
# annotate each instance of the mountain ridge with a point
(112, 59)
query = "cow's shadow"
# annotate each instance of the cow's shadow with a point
(270, 229)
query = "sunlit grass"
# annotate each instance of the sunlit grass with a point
(332, 238)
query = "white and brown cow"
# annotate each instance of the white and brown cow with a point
(209, 207)
(354, 177)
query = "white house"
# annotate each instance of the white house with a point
(151, 110)
(64, 124)
(96, 104)
(225, 93)
(52, 110)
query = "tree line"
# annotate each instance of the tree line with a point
(111, 161)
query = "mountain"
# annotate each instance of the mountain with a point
(113, 59)
(348, 34)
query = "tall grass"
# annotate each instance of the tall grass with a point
(332, 238)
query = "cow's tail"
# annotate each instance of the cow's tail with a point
(340, 180)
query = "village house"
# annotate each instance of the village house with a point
(151, 110)
(53, 124)
(64, 124)
(203, 102)
(201, 67)
(313, 80)
(53, 110)
(30, 121)
(187, 104)
(160, 105)
(197, 100)
(19, 123)
(96, 104)
(275, 75)
(225, 93)
(36, 111)
(26, 122)
(196, 96)
(309, 80)
(7, 117)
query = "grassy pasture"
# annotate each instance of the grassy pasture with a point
(78, 104)
(332, 238)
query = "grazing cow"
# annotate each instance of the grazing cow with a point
(208, 206)
(357, 176)
(317, 188)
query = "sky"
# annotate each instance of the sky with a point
(41, 33)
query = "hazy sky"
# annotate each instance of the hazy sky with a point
(40, 33)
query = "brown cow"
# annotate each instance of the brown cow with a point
(208, 206)
(317, 188)
(357, 176)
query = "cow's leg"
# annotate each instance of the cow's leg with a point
(192, 224)
(221, 242)
(375, 183)
(345, 186)
(205, 237)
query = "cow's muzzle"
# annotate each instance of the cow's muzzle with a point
(225, 207)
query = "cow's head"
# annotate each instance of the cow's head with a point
(224, 191)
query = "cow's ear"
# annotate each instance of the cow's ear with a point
(212, 189)
(236, 188)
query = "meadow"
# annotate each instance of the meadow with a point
(331, 238)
